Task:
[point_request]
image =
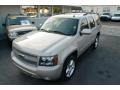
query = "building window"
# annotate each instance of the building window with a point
(92, 10)
(118, 8)
(106, 9)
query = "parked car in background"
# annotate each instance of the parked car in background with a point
(32, 14)
(52, 52)
(105, 17)
(17, 25)
(116, 17)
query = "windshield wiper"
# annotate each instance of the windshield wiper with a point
(13, 24)
(50, 31)
(44, 30)
(58, 32)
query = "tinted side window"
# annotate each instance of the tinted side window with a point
(92, 23)
(84, 24)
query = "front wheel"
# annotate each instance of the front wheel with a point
(68, 68)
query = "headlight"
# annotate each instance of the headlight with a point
(12, 34)
(48, 60)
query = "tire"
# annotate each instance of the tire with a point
(96, 42)
(9, 43)
(69, 68)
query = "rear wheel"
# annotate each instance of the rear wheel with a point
(96, 42)
(69, 68)
(9, 42)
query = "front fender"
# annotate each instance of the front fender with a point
(65, 53)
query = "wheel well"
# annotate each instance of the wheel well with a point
(63, 76)
(75, 53)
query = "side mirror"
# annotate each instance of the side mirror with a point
(86, 32)
(39, 26)
(4, 25)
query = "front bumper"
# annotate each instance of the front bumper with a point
(47, 73)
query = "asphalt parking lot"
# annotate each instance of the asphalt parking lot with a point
(100, 66)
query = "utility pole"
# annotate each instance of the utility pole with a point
(52, 10)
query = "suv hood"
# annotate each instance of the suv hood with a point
(37, 42)
(16, 28)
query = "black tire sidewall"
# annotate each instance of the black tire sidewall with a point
(95, 42)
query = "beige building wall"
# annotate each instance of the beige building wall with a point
(101, 8)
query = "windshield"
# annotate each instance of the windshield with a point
(106, 13)
(117, 15)
(66, 26)
(18, 21)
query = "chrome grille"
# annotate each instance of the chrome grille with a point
(25, 57)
